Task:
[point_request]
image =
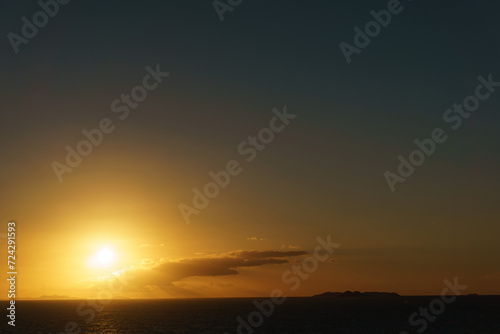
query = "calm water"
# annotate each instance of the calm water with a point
(296, 315)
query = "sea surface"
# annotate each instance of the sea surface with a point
(467, 314)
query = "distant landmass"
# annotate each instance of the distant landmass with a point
(54, 297)
(356, 294)
(59, 297)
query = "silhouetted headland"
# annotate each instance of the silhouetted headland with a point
(356, 294)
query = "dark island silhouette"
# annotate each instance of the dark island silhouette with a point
(356, 294)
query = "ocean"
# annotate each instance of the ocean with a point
(467, 314)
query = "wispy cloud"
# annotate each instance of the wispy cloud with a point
(493, 276)
(284, 246)
(151, 245)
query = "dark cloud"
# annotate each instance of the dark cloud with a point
(164, 272)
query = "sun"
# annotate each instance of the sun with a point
(104, 257)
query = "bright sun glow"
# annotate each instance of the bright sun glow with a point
(104, 257)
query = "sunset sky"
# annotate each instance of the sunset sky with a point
(118, 211)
